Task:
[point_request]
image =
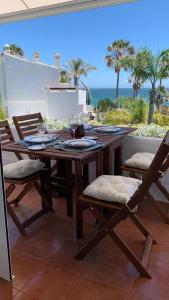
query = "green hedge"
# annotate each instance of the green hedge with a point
(2, 113)
(117, 117)
(160, 119)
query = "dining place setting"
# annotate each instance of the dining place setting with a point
(83, 136)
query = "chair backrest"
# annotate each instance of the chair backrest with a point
(158, 165)
(27, 124)
(6, 136)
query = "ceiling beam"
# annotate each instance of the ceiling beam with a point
(74, 5)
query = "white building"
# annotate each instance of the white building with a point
(29, 86)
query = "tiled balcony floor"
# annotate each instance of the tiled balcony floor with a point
(44, 267)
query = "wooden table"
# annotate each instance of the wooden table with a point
(102, 156)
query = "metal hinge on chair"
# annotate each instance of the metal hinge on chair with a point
(132, 211)
(162, 176)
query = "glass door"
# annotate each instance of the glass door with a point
(5, 264)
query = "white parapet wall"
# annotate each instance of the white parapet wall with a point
(61, 104)
(23, 89)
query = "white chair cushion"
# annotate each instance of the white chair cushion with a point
(22, 168)
(140, 160)
(112, 188)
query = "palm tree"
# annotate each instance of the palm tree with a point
(118, 54)
(162, 95)
(16, 50)
(153, 70)
(65, 77)
(136, 84)
(78, 68)
(164, 74)
(137, 63)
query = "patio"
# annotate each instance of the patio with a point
(43, 262)
(44, 267)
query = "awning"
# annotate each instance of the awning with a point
(13, 10)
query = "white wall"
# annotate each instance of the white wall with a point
(3, 96)
(23, 87)
(16, 108)
(26, 80)
(62, 104)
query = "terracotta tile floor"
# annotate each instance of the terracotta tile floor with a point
(44, 267)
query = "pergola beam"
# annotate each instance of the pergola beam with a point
(27, 9)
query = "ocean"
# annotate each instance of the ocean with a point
(101, 93)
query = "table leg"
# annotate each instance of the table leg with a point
(108, 161)
(99, 164)
(77, 205)
(86, 173)
(118, 158)
(69, 188)
(46, 184)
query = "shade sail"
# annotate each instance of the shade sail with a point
(13, 10)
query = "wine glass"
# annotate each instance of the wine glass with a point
(41, 129)
(73, 123)
(101, 116)
(84, 119)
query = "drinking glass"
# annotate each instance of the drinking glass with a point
(73, 123)
(41, 129)
(101, 116)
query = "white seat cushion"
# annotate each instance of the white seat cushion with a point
(22, 168)
(140, 160)
(112, 188)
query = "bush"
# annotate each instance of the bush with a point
(161, 119)
(151, 131)
(129, 103)
(139, 111)
(117, 117)
(120, 103)
(2, 113)
(137, 107)
(164, 110)
(105, 104)
(55, 124)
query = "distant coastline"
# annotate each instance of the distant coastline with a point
(101, 93)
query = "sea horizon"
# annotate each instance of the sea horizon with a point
(102, 93)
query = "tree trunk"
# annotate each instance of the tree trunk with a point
(137, 91)
(159, 100)
(117, 85)
(151, 104)
(76, 83)
(134, 92)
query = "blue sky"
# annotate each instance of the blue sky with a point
(87, 34)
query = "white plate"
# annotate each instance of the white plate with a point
(46, 138)
(87, 137)
(79, 143)
(107, 129)
(37, 147)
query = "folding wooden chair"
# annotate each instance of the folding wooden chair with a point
(135, 169)
(28, 182)
(6, 137)
(34, 181)
(27, 125)
(118, 212)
